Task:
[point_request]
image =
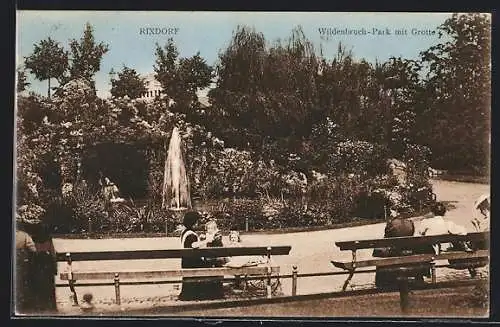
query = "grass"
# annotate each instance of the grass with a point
(354, 222)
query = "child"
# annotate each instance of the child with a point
(214, 239)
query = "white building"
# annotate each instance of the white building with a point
(155, 89)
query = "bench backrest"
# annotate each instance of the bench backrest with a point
(411, 241)
(192, 272)
(173, 253)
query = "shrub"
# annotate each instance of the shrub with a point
(358, 157)
(87, 205)
(130, 217)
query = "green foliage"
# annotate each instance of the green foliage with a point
(22, 82)
(458, 94)
(86, 55)
(359, 157)
(281, 116)
(264, 92)
(88, 205)
(128, 83)
(181, 78)
(48, 60)
(130, 217)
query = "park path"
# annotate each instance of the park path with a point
(311, 253)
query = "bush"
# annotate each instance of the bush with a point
(88, 206)
(131, 217)
(359, 158)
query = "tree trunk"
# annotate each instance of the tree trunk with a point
(48, 91)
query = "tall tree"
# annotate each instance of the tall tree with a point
(401, 84)
(458, 93)
(181, 78)
(128, 83)
(86, 55)
(265, 94)
(48, 60)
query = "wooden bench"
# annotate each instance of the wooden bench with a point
(405, 265)
(267, 271)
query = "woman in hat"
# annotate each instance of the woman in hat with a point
(189, 239)
(43, 266)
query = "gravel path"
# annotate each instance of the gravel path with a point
(311, 252)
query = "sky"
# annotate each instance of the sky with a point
(132, 44)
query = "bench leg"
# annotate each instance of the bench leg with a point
(473, 272)
(117, 289)
(268, 283)
(404, 295)
(433, 273)
(73, 292)
(351, 274)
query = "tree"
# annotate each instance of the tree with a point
(86, 55)
(128, 83)
(22, 82)
(181, 78)
(401, 85)
(265, 95)
(48, 60)
(458, 93)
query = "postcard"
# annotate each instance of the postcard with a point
(252, 164)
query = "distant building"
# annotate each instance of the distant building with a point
(155, 89)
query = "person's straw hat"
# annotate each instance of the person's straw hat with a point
(481, 200)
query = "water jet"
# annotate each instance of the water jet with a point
(176, 198)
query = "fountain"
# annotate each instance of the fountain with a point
(176, 196)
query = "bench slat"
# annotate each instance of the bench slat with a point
(418, 258)
(174, 253)
(194, 272)
(411, 241)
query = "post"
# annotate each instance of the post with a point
(403, 293)
(90, 225)
(71, 281)
(117, 289)
(433, 272)
(166, 227)
(246, 224)
(268, 286)
(245, 282)
(294, 280)
(385, 212)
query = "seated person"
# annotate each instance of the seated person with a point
(242, 261)
(437, 225)
(385, 277)
(213, 238)
(481, 213)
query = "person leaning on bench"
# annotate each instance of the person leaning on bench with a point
(400, 227)
(438, 225)
(189, 239)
